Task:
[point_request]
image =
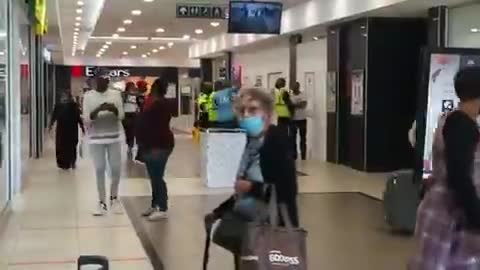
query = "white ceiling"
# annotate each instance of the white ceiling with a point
(100, 19)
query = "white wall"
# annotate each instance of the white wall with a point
(312, 58)
(461, 20)
(261, 63)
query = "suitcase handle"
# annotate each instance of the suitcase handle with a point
(93, 260)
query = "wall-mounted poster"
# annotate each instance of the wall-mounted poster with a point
(357, 92)
(331, 91)
(171, 91)
(258, 81)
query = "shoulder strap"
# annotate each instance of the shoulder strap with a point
(206, 251)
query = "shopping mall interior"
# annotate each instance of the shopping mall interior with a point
(363, 67)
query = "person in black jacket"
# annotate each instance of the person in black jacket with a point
(255, 112)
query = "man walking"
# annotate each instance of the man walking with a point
(299, 123)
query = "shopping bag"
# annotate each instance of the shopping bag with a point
(270, 247)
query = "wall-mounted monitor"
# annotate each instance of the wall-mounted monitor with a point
(248, 17)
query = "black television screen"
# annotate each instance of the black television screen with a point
(255, 17)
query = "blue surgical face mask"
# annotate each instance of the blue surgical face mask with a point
(253, 125)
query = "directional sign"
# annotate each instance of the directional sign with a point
(201, 11)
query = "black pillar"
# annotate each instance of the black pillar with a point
(228, 65)
(206, 70)
(333, 58)
(438, 27)
(292, 66)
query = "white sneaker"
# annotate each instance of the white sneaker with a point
(101, 210)
(148, 212)
(157, 215)
(116, 207)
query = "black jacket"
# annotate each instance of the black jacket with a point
(278, 168)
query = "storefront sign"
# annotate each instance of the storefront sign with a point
(201, 11)
(331, 92)
(357, 92)
(90, 72)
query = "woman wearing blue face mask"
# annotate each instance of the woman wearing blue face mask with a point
(266, 159)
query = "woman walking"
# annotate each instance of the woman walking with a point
(157, 142)
(448, 219)
(67, 116)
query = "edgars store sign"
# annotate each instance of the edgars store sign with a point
(91, 71)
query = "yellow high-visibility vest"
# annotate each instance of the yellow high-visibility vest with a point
(212, 108)
(202, 102)
(280, 107)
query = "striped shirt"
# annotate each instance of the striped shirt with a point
(106, 128)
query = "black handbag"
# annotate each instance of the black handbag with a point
(230, 231)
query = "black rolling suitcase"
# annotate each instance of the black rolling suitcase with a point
(100, 261)
(400, 200)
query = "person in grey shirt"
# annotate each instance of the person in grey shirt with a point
(299, 123)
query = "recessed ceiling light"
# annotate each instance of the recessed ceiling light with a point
(102, 50)
(148, 1)
(215, 24)
(75, 33)
(315, 38)
(160, 30)
(77, 24)
(2, 53)
(474, 30)
(148, 53)
(76, 29)
(121, 29)
(105, 46)
(108, 43)
(125, 53)
(136, 12)
(162, 47)
(115, 35)
(186, 37)
(170, 44)
(127, 21)
(79, 11)
(154, 50)
(144, 56)
(80, 3)
(133, 47)
(198, 31)
(78, 18)
(99, 55)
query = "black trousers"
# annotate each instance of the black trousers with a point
(299, 127)
(285, 124)
(129, 126)
(66, 154)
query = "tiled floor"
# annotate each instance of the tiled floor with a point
(50, 223)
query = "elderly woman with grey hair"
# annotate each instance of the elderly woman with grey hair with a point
(266, 160)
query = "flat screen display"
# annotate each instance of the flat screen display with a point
(255, 17)
(441, 95)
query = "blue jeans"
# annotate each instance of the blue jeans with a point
(156, 161)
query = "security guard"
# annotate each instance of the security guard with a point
(283, 105)
(203, 104)
(212, 107)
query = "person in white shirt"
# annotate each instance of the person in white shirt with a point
(103, 113)
(299, 123)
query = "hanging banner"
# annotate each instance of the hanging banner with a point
(331, 91)
(357, 92)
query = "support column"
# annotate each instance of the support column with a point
(438, 27)
(292, 66)
(333, 71)
(206, 70)
(228, 65)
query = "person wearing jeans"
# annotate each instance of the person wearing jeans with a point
(103, 113)
(157, 141)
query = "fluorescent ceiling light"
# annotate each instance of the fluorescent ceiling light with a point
(127, 21)
(215, 24)
(121, 29)
(144, 56)
(78, 18)
(133, 47)
(136, 12)
(77, 24)
(162, 47)
(170, 44)
(154, 50)
(80, 3)
(160, 30)
(186, 37)
(474, 30)
(115, 35)
(108, 43)
(125, 53)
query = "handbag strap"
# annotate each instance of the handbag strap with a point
(206, 251)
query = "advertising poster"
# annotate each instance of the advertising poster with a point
(258, 81)
(331, 92)
(357, 92)
(171, 91)
(441, 94)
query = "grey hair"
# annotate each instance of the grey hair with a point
(266, 99)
